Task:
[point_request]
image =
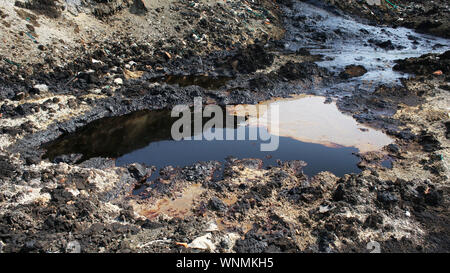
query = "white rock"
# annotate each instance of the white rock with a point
(41, 87)
(374, 2)
(323, 209)
(203, 242)
(118, 81)
(74, 192)
(230, 240)
(96, 91)
(212, 227)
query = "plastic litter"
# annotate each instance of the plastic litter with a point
(203, 242)
(12, 62)
(31, 37)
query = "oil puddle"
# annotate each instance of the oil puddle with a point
(339, 160)
(204, 81)
(310, 119)
(310, 130)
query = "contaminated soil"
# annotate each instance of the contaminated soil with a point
(66, 64)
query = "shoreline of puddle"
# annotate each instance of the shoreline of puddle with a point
(314, 115)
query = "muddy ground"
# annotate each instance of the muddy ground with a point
(67, 63)
(424, 16)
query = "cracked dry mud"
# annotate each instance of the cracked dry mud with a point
(63, 68)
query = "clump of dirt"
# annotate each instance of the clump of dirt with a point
(426, 64)
(103, 8)
(50, 8)
(302, 70)
(251, 59)
(352, 71)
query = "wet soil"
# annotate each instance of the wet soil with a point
(424, 17)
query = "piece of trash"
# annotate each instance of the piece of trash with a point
(31, 37)
(12, 62)
(168, 54)
(118, 81)
(203, 242)
(323, 209)
(132, 74)
(71, 79)
(395, 6)
(182, 244)
(154, 242)
(438, 72)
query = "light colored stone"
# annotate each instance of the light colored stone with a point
(203, 242)
(212, 227)
(118, 81)
(374, 2)
(41, 87)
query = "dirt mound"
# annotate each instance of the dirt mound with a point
(352, 71)
(426, 64)
(102, 8)
(251, 59)
(50, 8)
(303, 70)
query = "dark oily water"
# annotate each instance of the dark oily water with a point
(145, 137)
(180, 153)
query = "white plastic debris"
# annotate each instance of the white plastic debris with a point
(203, 242)
(323, 209)
(118, 81)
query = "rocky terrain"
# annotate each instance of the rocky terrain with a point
(68, 63)
(424, 16)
